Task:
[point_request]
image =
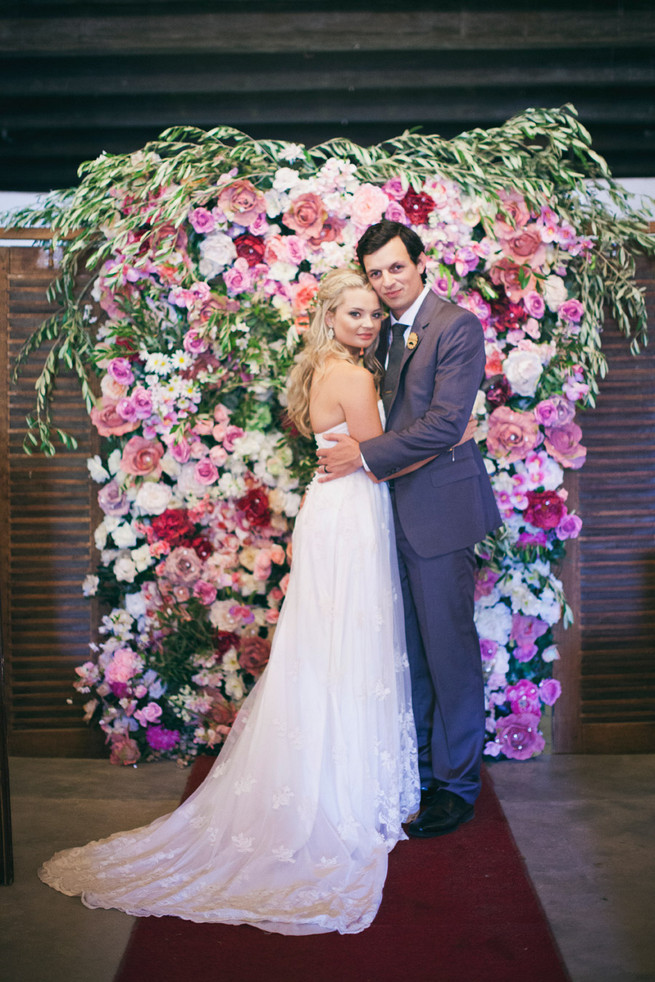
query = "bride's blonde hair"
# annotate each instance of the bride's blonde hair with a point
(321, 344)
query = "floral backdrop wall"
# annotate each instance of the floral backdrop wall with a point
(203, 253)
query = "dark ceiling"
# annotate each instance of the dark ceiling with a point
(80, 78)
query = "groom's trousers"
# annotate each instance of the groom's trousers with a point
(446, 669)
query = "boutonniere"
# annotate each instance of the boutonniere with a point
(412, 341)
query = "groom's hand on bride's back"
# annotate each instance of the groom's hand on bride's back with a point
(339, 460)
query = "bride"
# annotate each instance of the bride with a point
(291, 829)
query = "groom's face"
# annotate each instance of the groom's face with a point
(394, 277)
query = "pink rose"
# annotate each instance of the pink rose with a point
(126, 409)
(218, 456)
(124, 751)
(571, 310)
(519, 737)
(396, 213)
(393, 188)
(549, 691)
(142, 457)
(232, 434)
(241, 202)
(202, 220)
(194, 342)
(563, 443)
(304, 291)
(485, 582)
(525, 246)
(124, 665)
(182, 566)
(523, 697)
(149, 714)
(515, 213)
(330, 232)
(121, 371)
(534, 304)
(205, 471)
(306, 215)
(368, 205)
(512, 434)
(525, 631)
(517, 281)
(180, 450)
(239, 278)
(142, 402)
(205, 592)
(108, 421)
(554, 411)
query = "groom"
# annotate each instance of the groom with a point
(433, 352)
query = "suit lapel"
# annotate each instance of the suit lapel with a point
(419, 327)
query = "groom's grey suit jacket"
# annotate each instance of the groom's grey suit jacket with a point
(447, 504)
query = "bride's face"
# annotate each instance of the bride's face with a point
(357, 318)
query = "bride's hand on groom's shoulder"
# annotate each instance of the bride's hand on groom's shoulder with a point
(339, 460)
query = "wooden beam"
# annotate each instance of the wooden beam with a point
(329, 31)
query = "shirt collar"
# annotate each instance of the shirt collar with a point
(410, 314)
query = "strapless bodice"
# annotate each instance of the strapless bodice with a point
(321, 437)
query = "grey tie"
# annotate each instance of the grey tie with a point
(393, 366)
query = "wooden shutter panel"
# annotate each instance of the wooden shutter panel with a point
(46, 538)
(608, 658)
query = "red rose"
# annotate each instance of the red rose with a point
(253, 654)
(417, 207)
(223, 641)
(507, 316)
(200, 546)
(545, 509)
(250, 247)
(254, 506)
(498, 391)
(173, 526)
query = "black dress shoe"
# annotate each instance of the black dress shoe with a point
(428, 791)
(445, 813)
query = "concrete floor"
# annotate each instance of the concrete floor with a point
(584, 825)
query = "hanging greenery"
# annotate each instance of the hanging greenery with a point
(203, 252)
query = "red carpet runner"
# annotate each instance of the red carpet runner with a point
(455, 909)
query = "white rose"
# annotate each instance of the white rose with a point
(100, 536)
(217, 251)
(170, 466)
(554, 292)
(90, 585)
(124, 536)
(282, 272)
(494, 623)
(114, 460)
(135, 604)
(124, 569)
(142, 558)
(96, 471)
(285, 178)
(152, 498)
(523, 370)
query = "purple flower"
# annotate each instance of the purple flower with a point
(126, 410)
(121, 371)
(534, 304)
(523, 697)
(142, 402)
(488, 649)
(113, 500)
(571, 310)
(555, 411)
(537, 538)
(160, 739)
(525, 631)
(202, 220)
(568, 527)
(563, 443)
(519, 736)
(396, 213)
(549, 691)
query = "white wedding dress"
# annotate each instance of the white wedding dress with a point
(291, 828)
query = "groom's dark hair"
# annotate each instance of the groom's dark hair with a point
(382, 232)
